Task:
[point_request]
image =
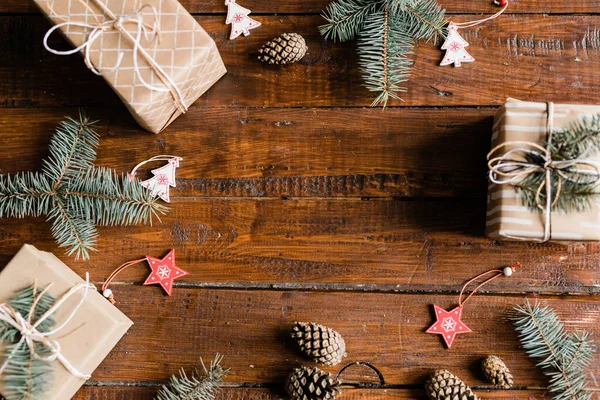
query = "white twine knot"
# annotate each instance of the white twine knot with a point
(513, 167)
(117, 23)
(30, 335)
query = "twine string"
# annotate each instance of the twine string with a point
(30, 335)
(470, 24)
(497, 273)
(117, 23)
(107, 292)
(513, 167)
(162, 157)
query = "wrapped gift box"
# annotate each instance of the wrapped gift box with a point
(177, 43)
(90, 335)
(507, 217)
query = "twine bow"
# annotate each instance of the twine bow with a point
(30, 335)
(117, 23)
(513, 167)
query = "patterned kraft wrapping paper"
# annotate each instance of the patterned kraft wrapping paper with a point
(90, 335)
(185, 52)
(506, 215)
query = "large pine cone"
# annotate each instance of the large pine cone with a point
(496, 372)
(443, 385)
(322, 344)
(284, 49)
(312, 384)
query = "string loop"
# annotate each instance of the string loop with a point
(497, 273)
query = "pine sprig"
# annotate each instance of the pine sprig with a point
(26, 377)
(74, 194)
(201, 385)
(383, 51)
(345, 18)
(387, 30)
(577, 188)
(564, 357)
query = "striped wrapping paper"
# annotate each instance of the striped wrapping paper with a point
(507, 218)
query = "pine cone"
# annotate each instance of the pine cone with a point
(284, 49)
(322, 344)
(496, 372)
(312, 384)
(443, 385)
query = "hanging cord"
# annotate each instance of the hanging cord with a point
(508, 271)
(162, 157)
(368, 365)
(106, 292)
(470, 24)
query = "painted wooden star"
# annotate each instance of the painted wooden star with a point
(448, 324)
(164, 271)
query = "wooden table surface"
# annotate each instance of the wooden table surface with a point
(295, 201)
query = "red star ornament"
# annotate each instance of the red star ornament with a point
(448, 324)
(164, 272)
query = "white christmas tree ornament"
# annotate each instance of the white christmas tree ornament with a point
(238, 17)
(163, 178)
(455, 48)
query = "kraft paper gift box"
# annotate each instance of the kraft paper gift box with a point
(175, 61)
(87, 338)
(507, 217)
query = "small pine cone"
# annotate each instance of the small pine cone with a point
(284, 49)
(322, 344)
(443, 385)
(312, 384)
(496, 372)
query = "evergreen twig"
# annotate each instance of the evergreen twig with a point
(74, 194)
(564, 357)
(201, 385)
(387, 30)
(578, 193)
(26, 377)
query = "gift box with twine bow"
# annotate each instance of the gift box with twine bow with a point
(155, 55)
(85, 326)
(543, 187)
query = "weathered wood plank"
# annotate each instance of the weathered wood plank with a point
(316, 6)
(523, 56)
(145, 393)
(285, 152)
(327, 244)
(251, 328)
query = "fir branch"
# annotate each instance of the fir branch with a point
(383, 50)
(26, 377)
(425, 20)
(25, 194)
(107, 198)
(199, 386)
(564, 356)
(75, 195)
(345, 18)
(72, 149)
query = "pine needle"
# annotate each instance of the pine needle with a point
(74, 194)
(201, 385)
(564, 357)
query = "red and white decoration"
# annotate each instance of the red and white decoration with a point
(164, 272)
(238, 17)
(455, 48)
(163, 179)
(448, 324)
